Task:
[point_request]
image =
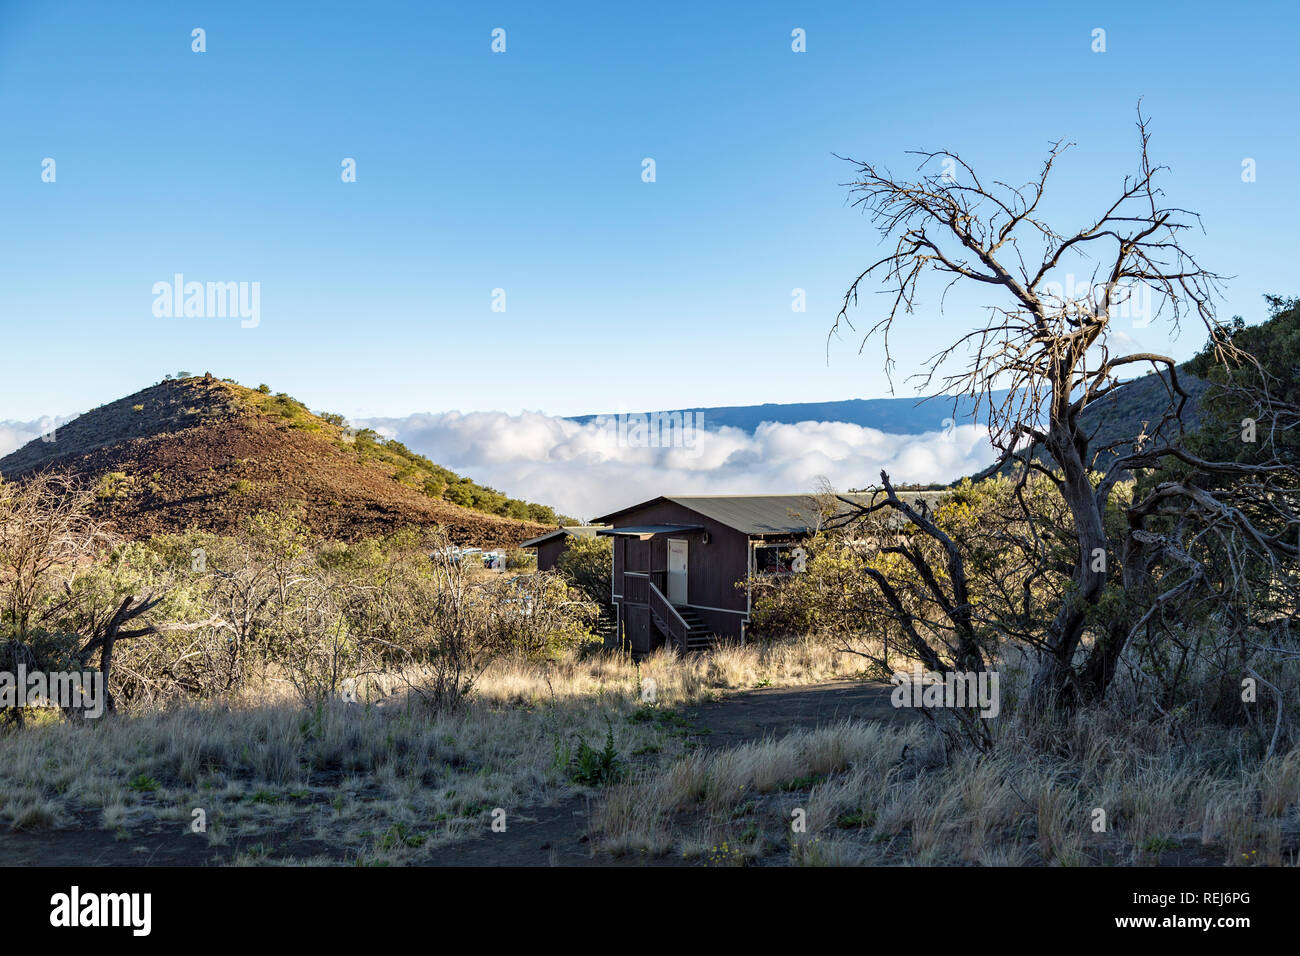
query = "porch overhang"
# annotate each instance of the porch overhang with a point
(644, 532)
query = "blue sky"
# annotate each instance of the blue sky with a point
(522, 171)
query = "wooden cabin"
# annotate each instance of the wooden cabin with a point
(551, 545)
(684, 565)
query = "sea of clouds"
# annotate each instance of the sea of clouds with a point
(585, 470)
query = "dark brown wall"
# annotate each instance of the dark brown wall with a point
(637, 629)
(548, 553)
(713, 569)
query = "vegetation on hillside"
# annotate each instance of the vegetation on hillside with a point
(407, 467)
(202, 452)
(1235, 408)
(439, 482)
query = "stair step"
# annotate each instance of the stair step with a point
(698, 635)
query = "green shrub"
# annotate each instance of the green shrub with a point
(520, 560)
(587, 564)
(597, 768)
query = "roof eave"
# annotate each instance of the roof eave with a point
(606, 519)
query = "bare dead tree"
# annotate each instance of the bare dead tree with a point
(107, 632)
(49, 535)
(47, 523)
(939, 610)
(1054, 352)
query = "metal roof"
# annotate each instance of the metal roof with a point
(645, 531)
(756, 515)
(577, 530)
(764, 514)
(761, 515)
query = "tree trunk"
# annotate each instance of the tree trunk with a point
(1056, 680)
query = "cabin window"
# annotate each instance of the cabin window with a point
(780, 559)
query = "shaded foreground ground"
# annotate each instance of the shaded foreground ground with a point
(824, 773)
(559, 835)
(537, 836)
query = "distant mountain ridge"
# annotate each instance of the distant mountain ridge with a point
(1119, 417)
(896, 416)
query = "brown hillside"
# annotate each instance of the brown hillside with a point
(208, 454)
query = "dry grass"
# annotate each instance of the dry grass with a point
(385, 781)
(871, 793)
(392, 780)
(726, 786)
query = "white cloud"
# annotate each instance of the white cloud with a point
(13, 435)
(591, 469)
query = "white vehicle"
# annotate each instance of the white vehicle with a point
(457, 555)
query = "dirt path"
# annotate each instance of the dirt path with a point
(152, 844)
(558, 835)
(544, 836)
(777, 711)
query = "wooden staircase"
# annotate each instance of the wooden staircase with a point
(680, 625)
(698, 637)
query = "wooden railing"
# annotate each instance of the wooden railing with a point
(666, 616)
(636, 588)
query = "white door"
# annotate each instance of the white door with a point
(676, 571)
